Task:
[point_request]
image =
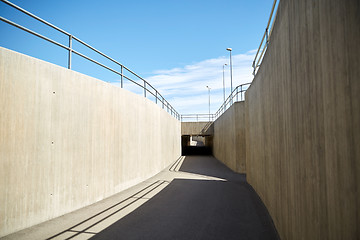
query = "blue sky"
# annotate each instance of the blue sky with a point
(178, 46)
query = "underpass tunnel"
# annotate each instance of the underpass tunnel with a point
(196, 145)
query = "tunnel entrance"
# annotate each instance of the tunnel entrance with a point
(196, 145)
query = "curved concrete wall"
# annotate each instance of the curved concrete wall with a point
(303, 115)
(229, 144)
(68, 140)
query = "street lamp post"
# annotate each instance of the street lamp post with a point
(209, 100)
(224, 80)
(230, 49)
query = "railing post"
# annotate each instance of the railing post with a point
(162, 102)
(70, 51)
(253, 65)
(122, 81)
(156, 97)
(237, 94)
(241, 92)
(267, 37)
(144, 89)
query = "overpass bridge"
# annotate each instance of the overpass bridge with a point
(74, 149)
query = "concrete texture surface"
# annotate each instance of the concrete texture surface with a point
(194, 198)
(229, 142)
(197, 128)
(303, 115)
(68, 140)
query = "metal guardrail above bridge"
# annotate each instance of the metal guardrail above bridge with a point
(197, 117)
(148, 88)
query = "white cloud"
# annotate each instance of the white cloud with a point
(185, 88)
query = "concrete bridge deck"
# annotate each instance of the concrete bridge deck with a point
(196, 197)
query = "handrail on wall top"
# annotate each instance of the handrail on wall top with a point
(145, 85)
(241, 89)
(267, 34)
(233, 97)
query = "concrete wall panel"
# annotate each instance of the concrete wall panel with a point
(68, 140)
(303, 135)
(229, 144)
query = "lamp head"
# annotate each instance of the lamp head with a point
(229, 49)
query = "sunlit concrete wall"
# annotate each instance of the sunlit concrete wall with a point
(229, 145)
(68, 140)
(303, 121)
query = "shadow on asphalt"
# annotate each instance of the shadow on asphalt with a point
(210, 166)
(198, 209)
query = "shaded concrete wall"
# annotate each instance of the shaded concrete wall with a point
(68, 140)
(196, 128)
(229, 145)
(303, 115)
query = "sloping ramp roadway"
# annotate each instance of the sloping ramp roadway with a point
(197, 197)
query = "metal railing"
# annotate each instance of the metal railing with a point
(241, 89)
(148, 88)
(197, 117)
(264, 44)
(237, 93)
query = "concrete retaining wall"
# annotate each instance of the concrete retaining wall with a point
(229, 144)
(303, 115)
(68, 140)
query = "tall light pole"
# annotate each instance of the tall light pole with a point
(209, 100)
(224, 80)
(230, 49)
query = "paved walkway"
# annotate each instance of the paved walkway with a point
(197, 197)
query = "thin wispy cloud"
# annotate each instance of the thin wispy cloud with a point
(185, 88)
